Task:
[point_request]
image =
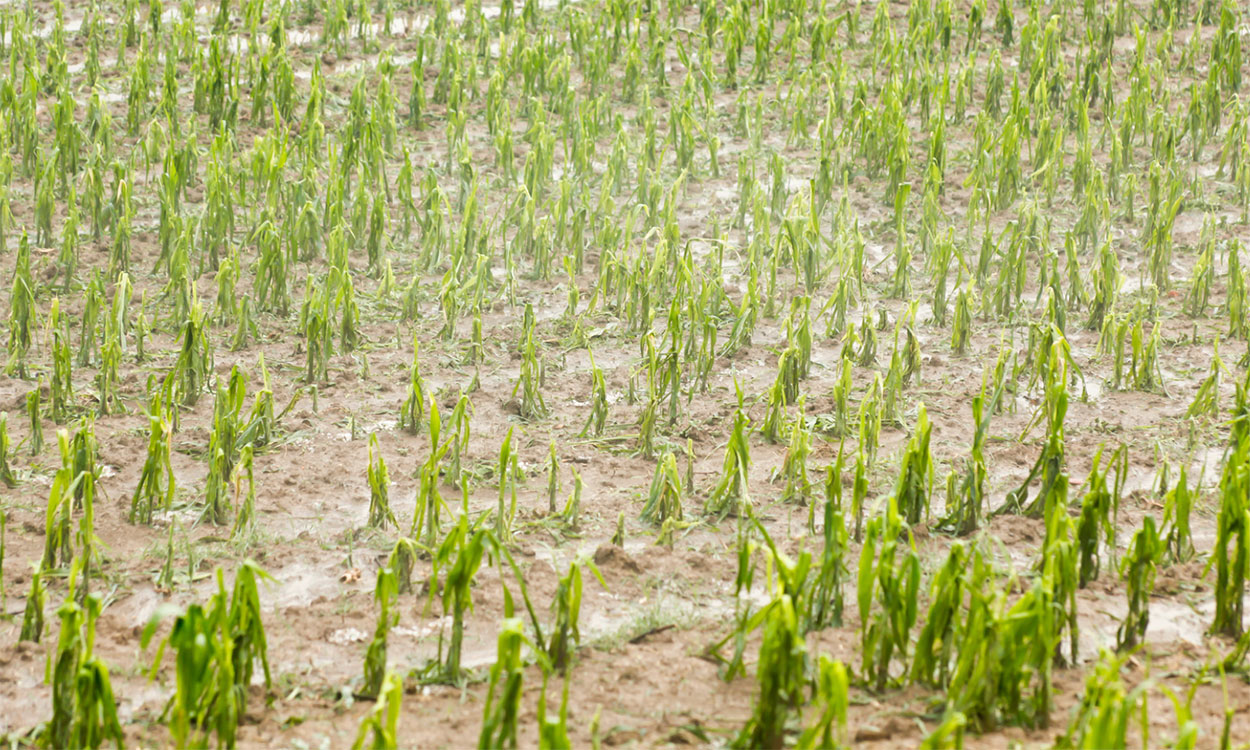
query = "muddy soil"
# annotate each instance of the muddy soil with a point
(641, 676)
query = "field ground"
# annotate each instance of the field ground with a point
(829, 231)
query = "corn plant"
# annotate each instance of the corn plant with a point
(933, 658)
(664, 497)
(58, 547)
(156, 480)
(35, 413)
(567, 604)
(1207, 399)
(36, 603)
(245, 508)
(412, 412)
(883, 577)
(375, 656)
(84, 711)
(825, 607)
(915, 478)
(461, 554)
(380, 728)
(781, 676)
(21, 312)
(224, 443)
(1053, 409)
(794, 466)
(832, 688)
(502, 710)
(731, 495)
(505, 512)
(1138, 570)
(1177, 504)
(529, 385)
(1108, 708)
(380, 514)
(195, 359)
(216, 650)
(599, 402)
(1231, 556)
(1099, 512)
(7, 477)
(553, 478)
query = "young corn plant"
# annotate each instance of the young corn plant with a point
(893, 580)
(1108, 708)
(826, 605)
(412, 411)
(156, 480)
(84, 711)
(664, 498)
(375, 656)
(529, 385)
(504, 512)
(7, 477)
(380, 728)
(1049, 465)
(461, 555)
(781, 674)
(730, 496)
(1099, 512)
(598, 416)
(915, 478)
(1138, 571)
(216, 650)
(1177, 536)
(935, 648)
(793, 468)
(36, 603)
(832, 695)
(1231, 556)
(380, 514)
(502, 707)
(567, 605)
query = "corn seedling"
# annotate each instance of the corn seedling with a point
(1054, 409)
(461, 555)
(35, 414)
(156, 480)
(503, 697)
(1231, 555)
(215, 654)
(730, 495)
(1107, 709)
(1138, 570)
(380, 514)
(1177, 504)
(665, 496)
(36, 603)
(7, 477)
(915, 479)
(780, 673)
(832, 688)
(1099, 512)
(412, 412)
(84, 711)
(375, 656)
(894, 581)
(567, 605)
(380, 728)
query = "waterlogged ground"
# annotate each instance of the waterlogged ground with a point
(640, 678)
